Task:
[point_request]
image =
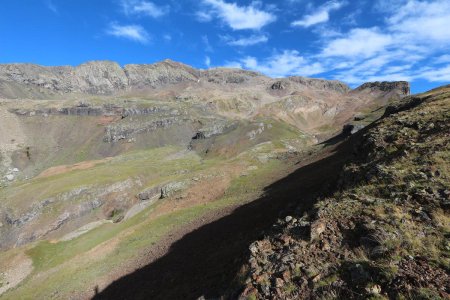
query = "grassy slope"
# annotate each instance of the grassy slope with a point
(383, 232)
(64, 268)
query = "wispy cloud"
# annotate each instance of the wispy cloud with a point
(320, 15)
(358, 42)
(144, 8)
(235, 16)
(207, 61)
(245, 41)
(286, 63)
(436, 74)
(132, 32)
(51, 6)
(414, 34)
(442, 59)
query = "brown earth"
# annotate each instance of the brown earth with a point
(68, 168)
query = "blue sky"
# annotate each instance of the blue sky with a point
(352, 41)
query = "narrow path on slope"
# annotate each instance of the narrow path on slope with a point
(204, 258)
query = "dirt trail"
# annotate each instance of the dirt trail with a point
(203, 258)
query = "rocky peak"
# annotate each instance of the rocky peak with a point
(98, 77)
(164, 72)
(402, 88)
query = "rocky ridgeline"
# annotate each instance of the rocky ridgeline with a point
(100, 77)
(107, 78)
(382, 231)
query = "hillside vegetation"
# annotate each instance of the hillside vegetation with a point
(382, 231)
(107, 172)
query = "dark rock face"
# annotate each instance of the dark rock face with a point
(401, 87)
(279, 85)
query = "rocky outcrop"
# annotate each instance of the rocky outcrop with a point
(349, 129)
(21, 229)
(217, 127)
(321, 84)
(150, 193)
(402, 88)
(172, 188)
(279, 85)
(117, 132)
(85, 109)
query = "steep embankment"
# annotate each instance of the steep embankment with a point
(367, 217)
(383, 231)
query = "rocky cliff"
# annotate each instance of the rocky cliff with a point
(396, 89)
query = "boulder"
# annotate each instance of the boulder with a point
(349, 129)
(317, 228)
(171, 188)
(150, 193)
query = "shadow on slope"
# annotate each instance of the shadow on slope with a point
(206, 261)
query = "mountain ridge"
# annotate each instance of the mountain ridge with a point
(108, 78)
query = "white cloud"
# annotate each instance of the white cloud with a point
(235, 16)
(207, 61)
(436, 75)
(286, 63)
(167, 37)
(321, 15)
(363, 42)
(203, 16)
(414, 32)
(144, 8)
(132, 32)
(423, 20)
(246, 41)
(442, 59)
